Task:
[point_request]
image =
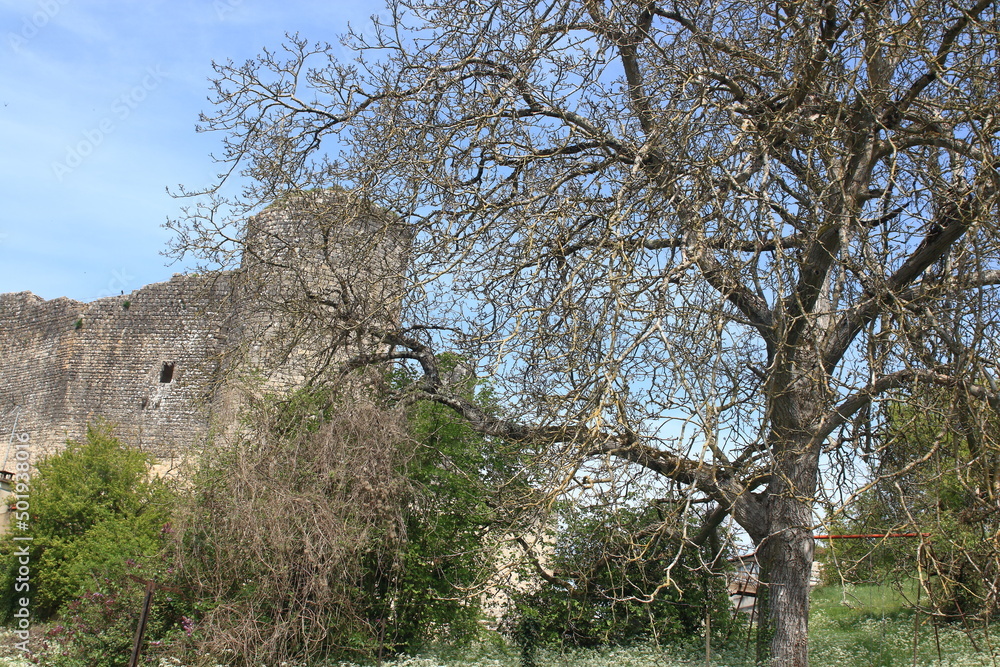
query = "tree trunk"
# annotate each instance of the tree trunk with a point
(786, 556)
(785, 547)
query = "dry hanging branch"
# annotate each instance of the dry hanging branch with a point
(293, 528)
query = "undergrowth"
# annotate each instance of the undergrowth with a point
(853, 626)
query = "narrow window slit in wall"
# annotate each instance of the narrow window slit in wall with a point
(167, 372)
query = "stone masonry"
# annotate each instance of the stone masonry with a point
(158, 362)
(146, 361)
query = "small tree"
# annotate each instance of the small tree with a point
(621, 574)
(465, 487)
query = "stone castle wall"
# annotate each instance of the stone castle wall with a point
(163, 363)
(309, 282)
(147, 361)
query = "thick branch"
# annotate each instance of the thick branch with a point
(850, 405)
(700, 474)
(686, 471)
(951, 225)
(752, 306)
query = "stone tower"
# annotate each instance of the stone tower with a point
(167, 363)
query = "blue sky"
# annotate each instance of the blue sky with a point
(98, 106)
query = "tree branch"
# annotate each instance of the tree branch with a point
(850, 405)
(955, 219)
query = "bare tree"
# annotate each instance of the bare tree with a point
(703, 239)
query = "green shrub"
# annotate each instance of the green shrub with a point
(339, 529)
(97, 629)
(466, 489)
(619, 577)
(97, 519)
(93, 510)
(458, 499)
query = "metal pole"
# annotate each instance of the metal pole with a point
(141, 629)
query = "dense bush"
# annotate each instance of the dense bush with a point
(97, 629)
(934, 473)
(290, 527)
(617, 576)
(333, 528)
(96, 517)
(459, 500)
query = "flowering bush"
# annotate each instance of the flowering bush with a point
(98, 628)
(98, 519)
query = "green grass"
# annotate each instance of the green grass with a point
(860, 625)
(854, 626)
(874, 626)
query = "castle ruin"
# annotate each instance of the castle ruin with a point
(163, 363)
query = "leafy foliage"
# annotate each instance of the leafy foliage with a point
(95, 514)
(451, 518)
(98, 628)
(934, 474)
(621, 576)
(97, 519)
(337, 529)
(468, 489)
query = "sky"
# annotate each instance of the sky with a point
(98, 107)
